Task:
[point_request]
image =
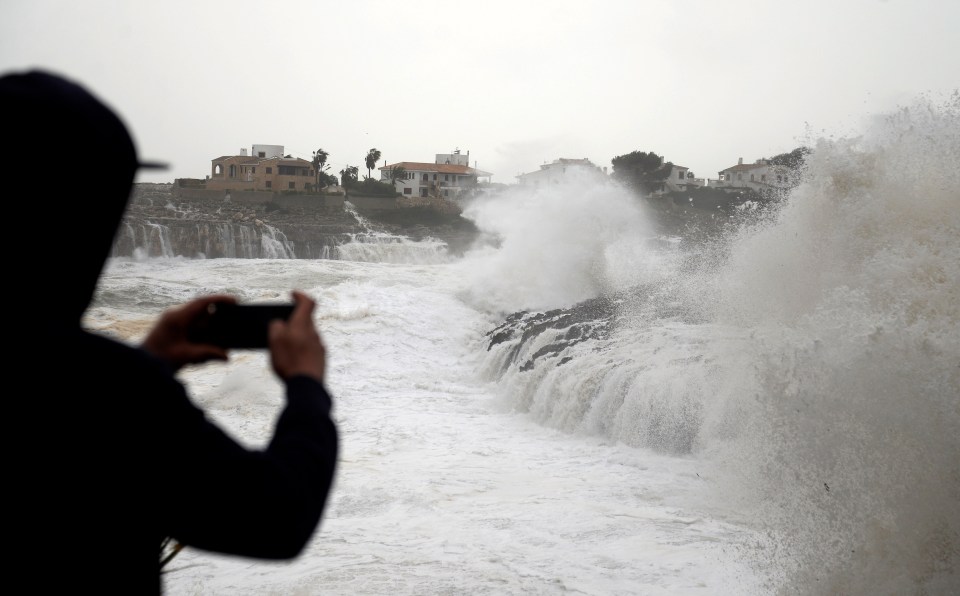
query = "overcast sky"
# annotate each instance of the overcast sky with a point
(516, 83)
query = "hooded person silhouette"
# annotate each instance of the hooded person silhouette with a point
(111, 457)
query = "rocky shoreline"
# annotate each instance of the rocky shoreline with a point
(160, 224)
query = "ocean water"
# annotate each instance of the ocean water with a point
(582, 404)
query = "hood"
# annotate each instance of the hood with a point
(72, 166)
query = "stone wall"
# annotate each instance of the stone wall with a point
(256, 197)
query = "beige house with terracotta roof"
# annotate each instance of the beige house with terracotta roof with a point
(266, 169)
(447, 177)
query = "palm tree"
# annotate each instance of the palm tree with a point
(319, 160)
(373, 156)
(397, 173)
(348, 175)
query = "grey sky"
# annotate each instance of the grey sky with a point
(515, 83)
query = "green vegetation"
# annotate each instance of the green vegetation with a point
(793, 160)
(641, 171)
(375, 188)
(349, 175)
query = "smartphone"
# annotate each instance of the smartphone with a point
(243, 326)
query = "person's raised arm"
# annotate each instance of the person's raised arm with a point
(269, 502)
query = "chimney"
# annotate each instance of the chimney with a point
(740, 162)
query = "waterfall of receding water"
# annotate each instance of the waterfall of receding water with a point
(202, 240)
(144, 240)
(378, 246)
(810, 360)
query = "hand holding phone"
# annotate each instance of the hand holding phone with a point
(295, 344)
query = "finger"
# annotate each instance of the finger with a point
(275, 329)
(303, 311)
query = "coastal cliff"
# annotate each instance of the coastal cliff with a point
(160, 223)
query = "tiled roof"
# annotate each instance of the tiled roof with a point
(440, 168)
(251, 160)
(242, 159)
(741, 167)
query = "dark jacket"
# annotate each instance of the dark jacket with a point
(107, 455)
(128, 460)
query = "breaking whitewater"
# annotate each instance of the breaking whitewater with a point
(581, 402)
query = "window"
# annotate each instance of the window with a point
(217, 170)
(269, 170)
(306, 185)
(446, 177)
(434, 176)
(261, 154)
(269, 182)
(233, 171)
(408, 191)
(291, 185)
(680, 174)
(426, 177)
(423, 191)
(739, 175)
(253, 170)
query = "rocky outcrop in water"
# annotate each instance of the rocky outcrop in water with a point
(589, 319)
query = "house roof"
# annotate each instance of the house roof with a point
(567, 160)
(241, 159)
(746, 166)
(252, 160)
(440, 168)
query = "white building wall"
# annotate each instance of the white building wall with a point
(450, 185)
(455, 159)
(268, 150)
(555, 172)
(757, 177)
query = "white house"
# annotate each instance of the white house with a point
(681, 179)
(448, 176)
(559, 170)
(760, 175)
